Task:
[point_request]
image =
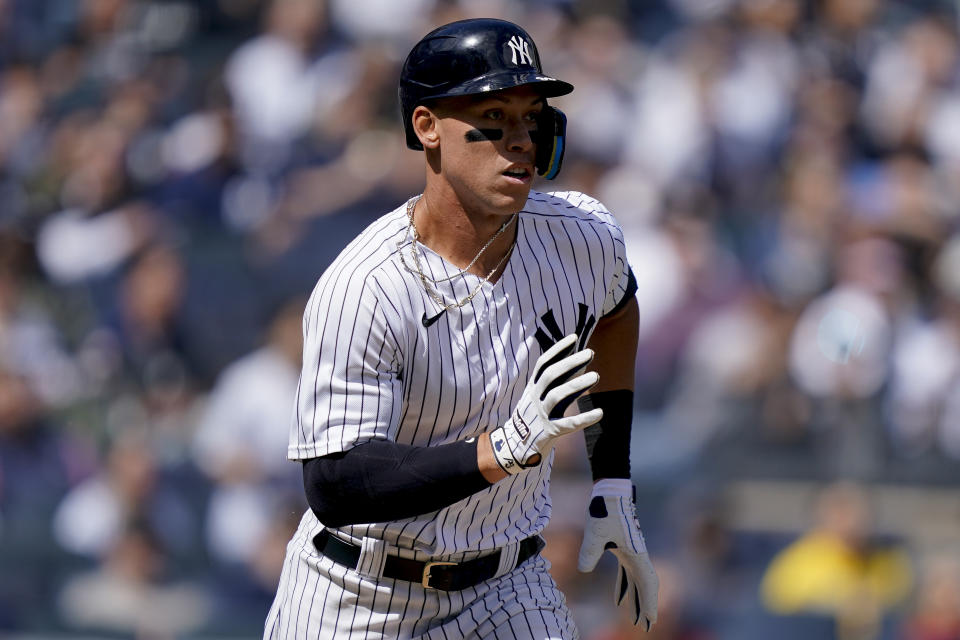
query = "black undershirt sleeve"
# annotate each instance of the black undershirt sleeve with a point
(381, 481)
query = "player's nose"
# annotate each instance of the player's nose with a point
(518, 136)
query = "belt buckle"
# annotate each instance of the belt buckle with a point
(426, 572)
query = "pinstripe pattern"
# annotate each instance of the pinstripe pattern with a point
(324, 600)
(371, 370)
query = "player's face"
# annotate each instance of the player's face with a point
(487, 151)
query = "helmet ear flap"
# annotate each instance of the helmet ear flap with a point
(550, 139)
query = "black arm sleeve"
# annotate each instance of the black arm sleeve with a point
(381, 481)
(608, 441)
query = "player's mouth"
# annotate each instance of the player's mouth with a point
(520, 175)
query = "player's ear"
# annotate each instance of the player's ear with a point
(425, 124)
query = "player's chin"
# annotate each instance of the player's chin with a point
(515, 189)
(510, 203)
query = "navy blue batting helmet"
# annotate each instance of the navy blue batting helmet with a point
(470, 57)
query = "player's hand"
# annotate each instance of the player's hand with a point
(612, 524)
(527, 437)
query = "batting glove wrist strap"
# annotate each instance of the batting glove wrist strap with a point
(613, 487)
(504, 442)
(612, 525)
(538, 419)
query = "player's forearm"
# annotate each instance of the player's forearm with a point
(381, 481)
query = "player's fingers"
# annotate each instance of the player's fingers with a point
(574, 423)
(556, 401)
(590, 552)
(558, 373)
(650, 588)
(571, 386)
(641, 573)
(629, 595)
(564, 347)
(623, 583)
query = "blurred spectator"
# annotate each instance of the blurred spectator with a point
(925, 365)
(276, 85)
(752, 100)
(925, 389)
(708, 279)
(31, 344)
(935, 614)
(73, 247)
(246, 592)
(241, 441)
(147, 318)
(714, 565)
(385, 21)
(38, 465)
(796, 261)
(904, 77)
(667, 135)
(840, 344)
(839, 355)
(604, 64)
(199, 169)
(101, 222)
(21, 107)
(92, 517)
(843, 39)
(839, 568)
(130, 594)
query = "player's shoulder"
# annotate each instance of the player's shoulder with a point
(568, 208)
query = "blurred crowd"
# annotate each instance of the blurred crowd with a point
(175, 175)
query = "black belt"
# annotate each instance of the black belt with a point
(446, 576)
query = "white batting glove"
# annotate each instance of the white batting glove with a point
(527, 437)
(612, 524)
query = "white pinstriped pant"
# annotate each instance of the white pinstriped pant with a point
(319, 598)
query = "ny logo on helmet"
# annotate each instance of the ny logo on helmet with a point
(519, 47)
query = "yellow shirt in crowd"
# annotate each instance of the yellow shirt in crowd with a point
(820, 573)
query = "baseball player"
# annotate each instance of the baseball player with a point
(447, 349)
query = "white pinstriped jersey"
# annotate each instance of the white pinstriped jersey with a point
(372, 370)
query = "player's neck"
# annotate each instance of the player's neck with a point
(457, 233)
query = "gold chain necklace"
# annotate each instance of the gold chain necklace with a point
(427, 281)
(416, 236)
